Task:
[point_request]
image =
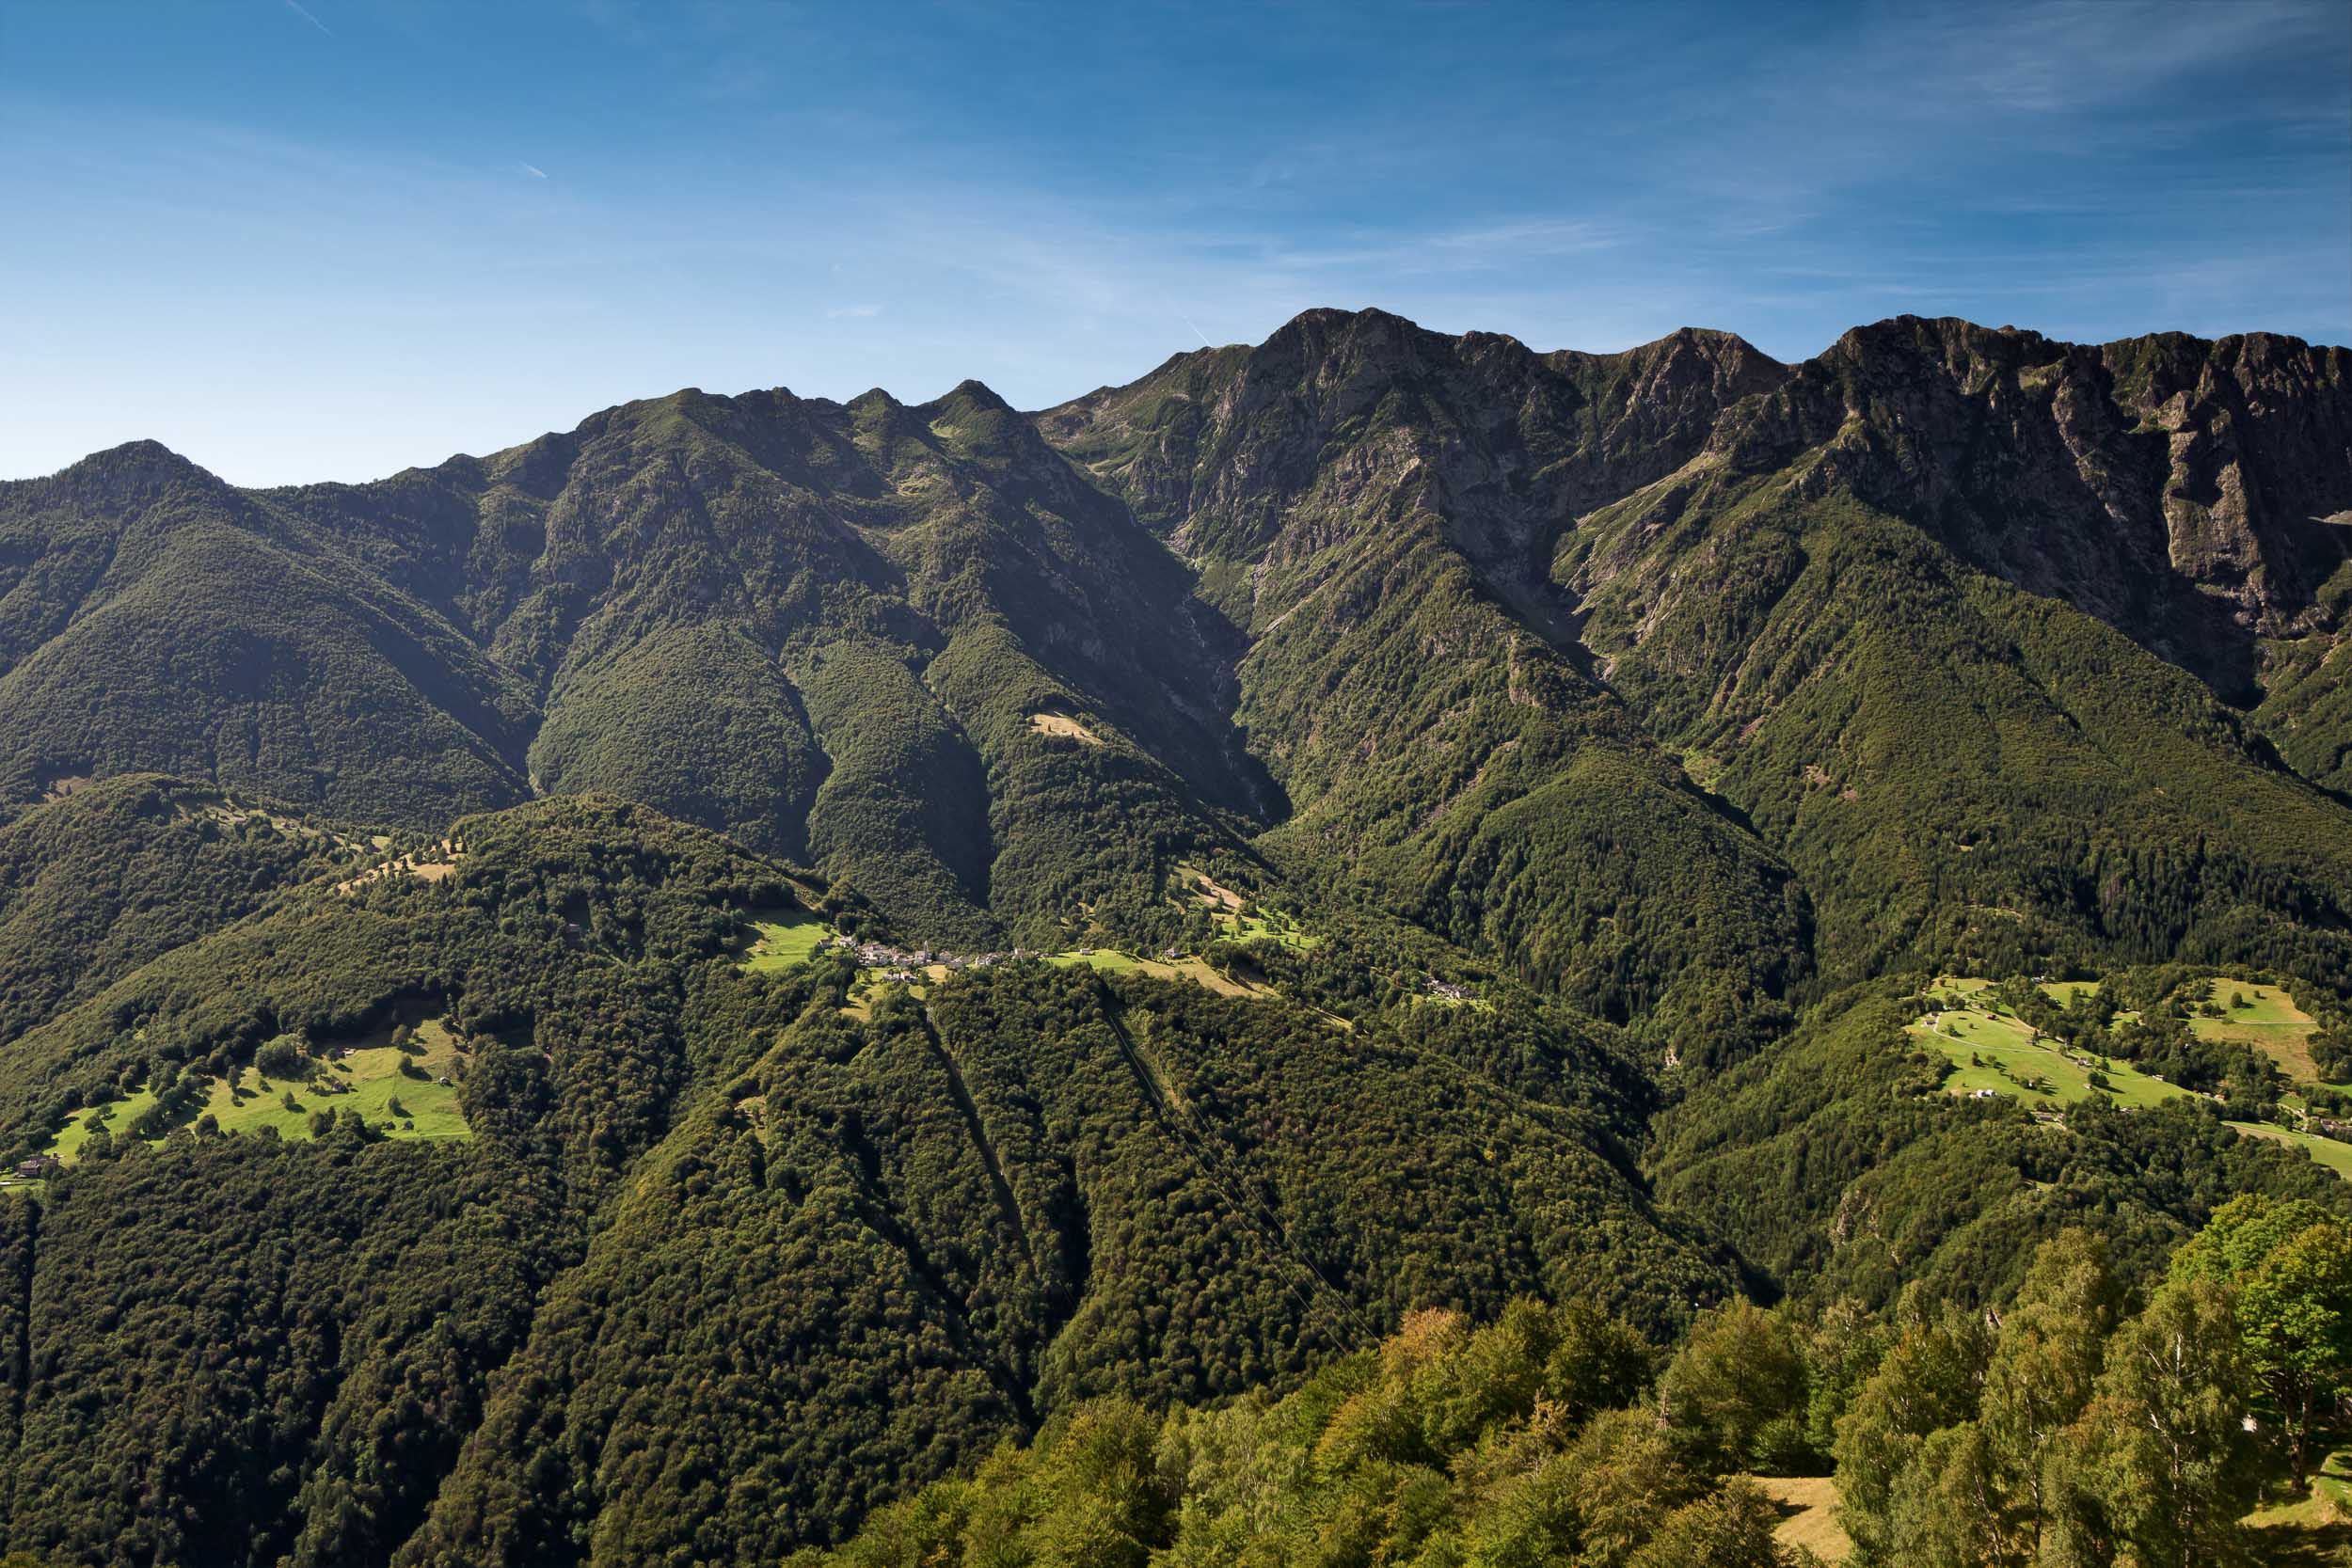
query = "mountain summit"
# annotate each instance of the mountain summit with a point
(645, 996)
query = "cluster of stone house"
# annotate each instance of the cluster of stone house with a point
(901, 963)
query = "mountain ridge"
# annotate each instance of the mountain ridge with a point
(648, 994)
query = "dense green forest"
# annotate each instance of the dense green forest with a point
(99, 881)
(2087, 1424)
(1375, 949)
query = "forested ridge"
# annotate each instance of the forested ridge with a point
(1376, 948)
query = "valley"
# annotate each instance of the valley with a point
(1370, 908)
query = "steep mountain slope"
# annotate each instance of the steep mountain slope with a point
(1568, 766)
(842, 620)
(236, 1345)
(1463, 632)
(1843, 1172)
(1375, 503)
(933, 1229)
(1030, 1187)
(98, 882)
(151, 618)
(1827, 612)
(1859, 600)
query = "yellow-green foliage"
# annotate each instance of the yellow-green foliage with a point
(789, 938)
(1508, 1446)
(2270, 1020)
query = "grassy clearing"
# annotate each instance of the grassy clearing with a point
(1475, 1004)
(1192, 968)
(1991, 1048)
(1808, 1509)
(1234, 919)
(1106, 959)
(1209, 890)
(784, 938)
(122, 1112)
(1268, 927)
(365, 1077)
(2314, 1529)
(2270, 1022)
(2336, 1156)
(430, 866)
(1062, 727)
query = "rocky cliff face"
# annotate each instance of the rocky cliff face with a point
(1342, 422)
(2178, 489)
(1790, 575)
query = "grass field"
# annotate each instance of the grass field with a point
(1991, 1048)
(2316, 1529)
(2270, 1022)
(368, 1081)
(1194, 969)
(785, 938)
(2336, 1156)
(1063, 727)
(1808, 1507)
(1267, 927)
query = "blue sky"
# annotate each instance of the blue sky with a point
(337, 238)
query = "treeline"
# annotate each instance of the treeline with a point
(1511, 1446)
(2081, 1425)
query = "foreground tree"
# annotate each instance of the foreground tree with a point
(1927, 1383)
(2045, 1359)
(2161, 1467)
(2289, 1267)
(1735, 1393)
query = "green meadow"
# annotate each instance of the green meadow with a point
(785, 939)
(365, 1078)
(1271, 925)
(2336, 1156)
(2270, 1022)
(1991, 1048)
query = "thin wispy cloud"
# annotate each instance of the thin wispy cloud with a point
(1053, 209)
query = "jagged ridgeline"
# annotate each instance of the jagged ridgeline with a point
(1670, 679)
(489, 1008)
